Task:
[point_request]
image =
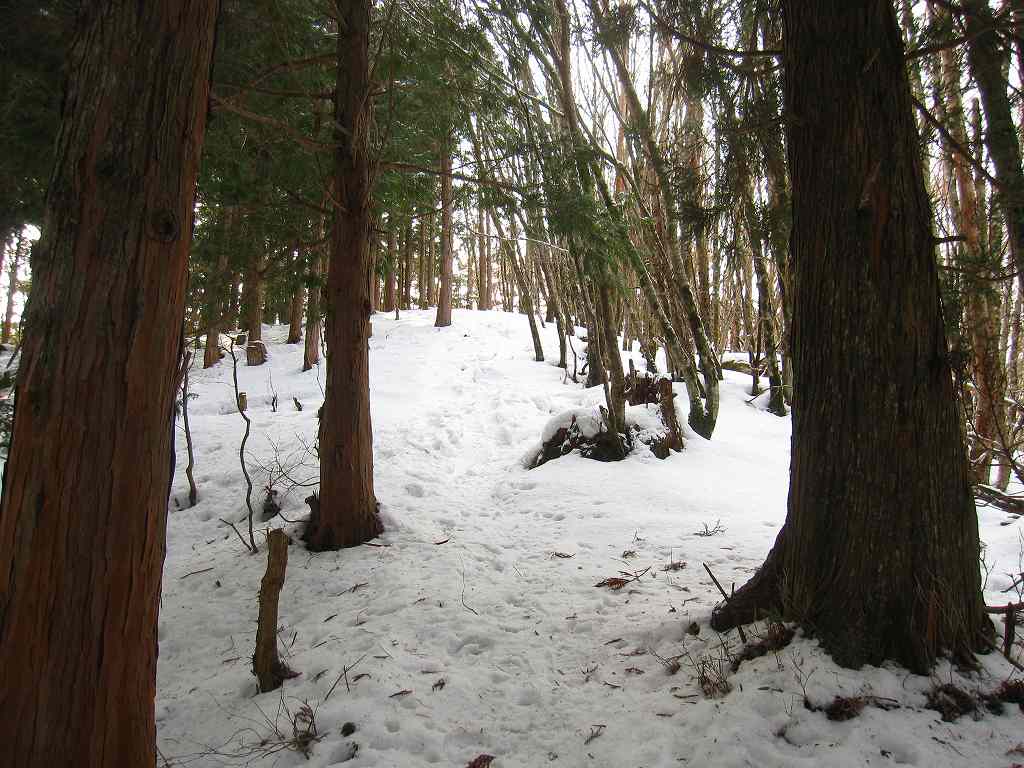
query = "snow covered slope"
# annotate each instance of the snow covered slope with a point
(476, 626)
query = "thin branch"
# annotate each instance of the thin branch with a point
(955, 145)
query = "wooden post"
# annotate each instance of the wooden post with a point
(270, 671)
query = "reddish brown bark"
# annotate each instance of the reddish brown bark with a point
(270, 671)
(82, 526)
(348, 509)
(444, 298)
(314, 324)
(879, 552)
(252, 298)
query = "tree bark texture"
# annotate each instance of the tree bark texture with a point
(83, 520)
(348, 508)
(879, 552)
(444, 298)
(270, 671)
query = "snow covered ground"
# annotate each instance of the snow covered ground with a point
(476, 626)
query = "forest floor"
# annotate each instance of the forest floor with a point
(475, 626)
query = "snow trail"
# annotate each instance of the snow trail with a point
(481, 602)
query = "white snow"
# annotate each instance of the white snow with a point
(466, 586)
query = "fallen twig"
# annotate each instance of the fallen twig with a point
(344, 674)
(193, 573)
(743, 635)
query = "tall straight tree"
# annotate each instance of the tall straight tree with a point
(346, 514)
(879, 552)
(444, 297)
(82, 526)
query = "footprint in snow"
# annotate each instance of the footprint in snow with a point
(415, 490)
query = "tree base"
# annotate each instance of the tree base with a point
(757, 599)
(255, 353)
(320, 536)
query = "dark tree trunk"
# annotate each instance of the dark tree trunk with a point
(444, 299)
(348, 508)
(311, 349)
(295, 308)
(252, 299)
(407, 268)
(83, 520)
(267, 666)
(423, 294)
(216, 310)
(392, 266)
(879, 553)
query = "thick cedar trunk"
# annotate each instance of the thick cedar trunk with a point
(348, 509)
(444, 299)
(252, 299)
(879, 553)
(83, 520)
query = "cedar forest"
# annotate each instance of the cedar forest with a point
(755, 264)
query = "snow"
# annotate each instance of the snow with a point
(485, 579)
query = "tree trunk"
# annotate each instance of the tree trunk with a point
(252, 298)
(423, 292)
(483, 274)
(217, 308)
(82, 531)
(879, 552)
(392, 265)
(270, 671)
(407, 269)
(348, 508)
(444, 299)
(12, 290)
(311, 349)
(295, 307)
(985, 57)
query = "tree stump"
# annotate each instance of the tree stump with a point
(243, 402)
(641, 387)
(666, 400)
(255, 353)
(270, 671)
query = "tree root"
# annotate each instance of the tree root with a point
(755, 600)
